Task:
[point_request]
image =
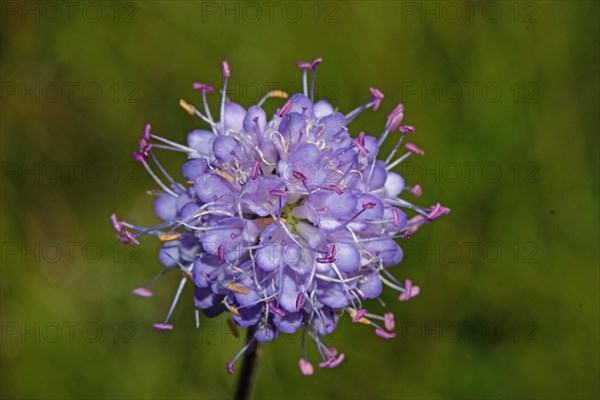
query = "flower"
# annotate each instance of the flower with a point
(285, 223)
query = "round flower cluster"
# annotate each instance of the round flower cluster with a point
(286, 223)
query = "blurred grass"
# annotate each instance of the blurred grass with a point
(547, 310)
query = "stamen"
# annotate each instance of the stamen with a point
(395, 149)
(395, 118)
(176, 145)
(203, 87)
(398, 161)
(221, 253)
(300, 176)
(142, 292)
(277, 94)
(190, 109)
(416, 190)
(224, 175)
(391, 284)
(413, 225)
(299, 301)
(153, 175)
(306, 367)
(414, 149)
(147, 132)
(127, 237)
(139, 157)
(169, 237)
(226, 73)
(330, 352)
(165, 324)
(388, 321)
(305, 82)
(405, 204)
(383, 334)
(225, 69)
(230, 365)
(437, 211)
(313, 67)
(357, 315)
(336, 189)
(287, 106)
(332, 362)
(155, 230)
(330, 279)
(208, 113)
(238, 287)
(255, 170)
(368, 206)
(232, 309)
(186, 274)
(174, 184)
(396, 217)
(276, 309)
(365, 207)
(377, 97)
(162, 327)
(278, 193)
(375, 101)
(356, 112)
(280, 94)
(392, 277)
(331, 252)
(325, 260)
(187, 107)
(361, 138)
(410, 291)
(116, 223)
(363, 151)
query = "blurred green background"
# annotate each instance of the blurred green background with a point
(505, 99)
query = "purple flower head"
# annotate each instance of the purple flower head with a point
(287, 223)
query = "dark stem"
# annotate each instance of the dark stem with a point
(245, 384)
